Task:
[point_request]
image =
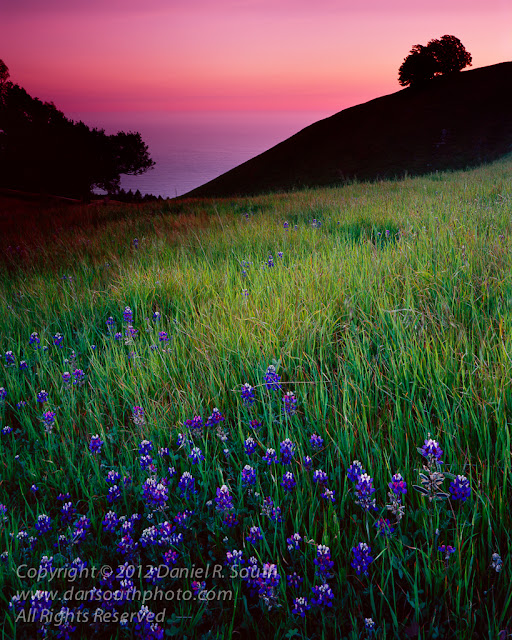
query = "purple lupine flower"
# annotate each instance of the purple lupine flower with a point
(130, 332)
(48, 418)
(432, 450)
(138, 417)
(270, 510)
(187, 484)
(280, 254)
(268, 582)
(40, 603)
(196, 455)
(290, 403)
(95, 444)
(328, 494)
(146, 445)
(79, 377)
(146, 462)
(496, 562)
(110, 521)
(323, 561)
(286, 225)
(248, 475)
(128, 315)
(398, 485)
(118, 336)
(155, 493)
(127, 545)
(364, 492)
(270, 457)
(113, 477)
(34, 340)
(460, 489)
(163, 337)
(322, 596)
(17, 604)
(355, 471)
(447, 550)
(66, 377)
(234, 558)
(135, 243)
(369, 624)
(254, 535)
(170, 558)
(110, 322)
(182, 518)
(272, 379)
(320, 477)
(293, 542)
(114, 494)
(250, 446)
(316, 441)
(247, 394)
(156, 316)
(43, 524)
(9, 358)
(307, 462)
(270, 261)
(215, 418)
(383, 525)
(224, 500)
(57, 340)
(255, 424)
(230, 519)
(68, 513)
(42, 396)
(362, 558)
(23, 365)
(287, 450)
(288, 481)
(300, 605)
(294, 580)
(195, 424)
(6, 430)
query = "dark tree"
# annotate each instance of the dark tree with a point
(450, 54)
(439, 57)
(419, 67)
(41, 150)
(4, 72)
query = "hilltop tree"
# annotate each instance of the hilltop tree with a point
(419, 67)
(450, 54)
(41, 150)
(439, 57)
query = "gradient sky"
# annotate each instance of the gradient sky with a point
(176, 55)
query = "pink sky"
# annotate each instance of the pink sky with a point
(174, 55)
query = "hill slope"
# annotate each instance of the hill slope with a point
(453, 122)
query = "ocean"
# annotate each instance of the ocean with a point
(191, 148)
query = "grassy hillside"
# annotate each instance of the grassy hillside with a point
(386, 311)
(452, 123)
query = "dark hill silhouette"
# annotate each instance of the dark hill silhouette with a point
(455, 121)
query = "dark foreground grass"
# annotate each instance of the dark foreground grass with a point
(388, 321)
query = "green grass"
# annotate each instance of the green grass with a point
(382, 337)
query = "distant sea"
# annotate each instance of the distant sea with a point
(191, 148)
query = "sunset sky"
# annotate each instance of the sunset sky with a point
(176, 55)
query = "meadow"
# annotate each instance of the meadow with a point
(288, 415)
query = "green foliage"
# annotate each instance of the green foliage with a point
(383, 338)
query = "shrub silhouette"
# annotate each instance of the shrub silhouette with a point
(438, 57)
(41, 150)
